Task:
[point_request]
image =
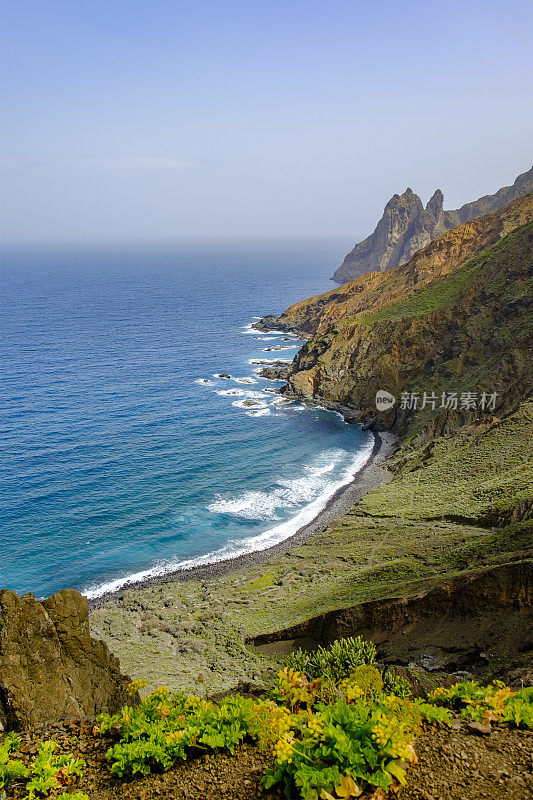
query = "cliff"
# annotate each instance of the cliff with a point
(406, 226)
(50, 666)
(453, 319)
(455, 625)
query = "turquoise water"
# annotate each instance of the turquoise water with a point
(123, 455)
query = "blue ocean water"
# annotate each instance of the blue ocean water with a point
(122, 455)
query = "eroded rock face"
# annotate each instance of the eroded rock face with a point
(406, 227)
(480, 621)
(50, 667)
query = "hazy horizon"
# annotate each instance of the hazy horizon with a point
(167, 123)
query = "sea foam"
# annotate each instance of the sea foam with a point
(268, 538)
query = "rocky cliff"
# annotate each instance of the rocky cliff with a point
(50, 666)
(406, 226)
(453, 319)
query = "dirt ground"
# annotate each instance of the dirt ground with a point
(453, 764)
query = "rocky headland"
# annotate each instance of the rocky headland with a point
(50, 666)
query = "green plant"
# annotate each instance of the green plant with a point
(269, 722)
(434, 714)
(10, 769)
(492, 703)
(164, 727)
(336, 662)
(343, 749)
(294, 689)
(393, 684)
(367, 678)
(48, 773)
(519, 709)
(73, 796)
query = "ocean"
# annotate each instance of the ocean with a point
(123, 454)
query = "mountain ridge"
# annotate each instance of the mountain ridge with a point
(454, 318)
(406, 227)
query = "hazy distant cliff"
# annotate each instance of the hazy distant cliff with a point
(406, 226)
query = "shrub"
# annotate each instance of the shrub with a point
(163, 727)
(336, 662)
(393, 684)
(269, 722)
(343, 748)
(48, 773)
(367, 678)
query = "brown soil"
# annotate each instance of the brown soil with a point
(453, 765)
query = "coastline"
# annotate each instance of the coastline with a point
(372, 474)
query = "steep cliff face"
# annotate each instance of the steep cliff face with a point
(453, 319)
(406, 226)
(374, 290)
(50, 666)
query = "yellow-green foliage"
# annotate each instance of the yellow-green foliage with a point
(269, 722)
(47, 775)
(492, 703)
(342, 746)
(334, 662)
(367, 678)
(263, 580)
(330, 738)
(294, 689)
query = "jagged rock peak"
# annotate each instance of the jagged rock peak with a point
(436, 203)
(406, 226)
(405, 199)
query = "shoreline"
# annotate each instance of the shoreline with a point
(371, 475)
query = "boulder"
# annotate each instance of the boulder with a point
(50, 666)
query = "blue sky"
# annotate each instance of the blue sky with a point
(162, 119)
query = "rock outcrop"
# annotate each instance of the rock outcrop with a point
(406, 226)
(50, 667)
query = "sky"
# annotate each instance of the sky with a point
(163, 120)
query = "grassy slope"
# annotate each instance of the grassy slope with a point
(376, 289)
(430, 521)
(406, 535)
(442, 292)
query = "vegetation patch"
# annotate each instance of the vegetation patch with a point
(334, 726)
(48, 775)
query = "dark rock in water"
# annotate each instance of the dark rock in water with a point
(50, 666)
(277, 363)
(274, 373)
(266, 323)
(224, 375)
(271, 323)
